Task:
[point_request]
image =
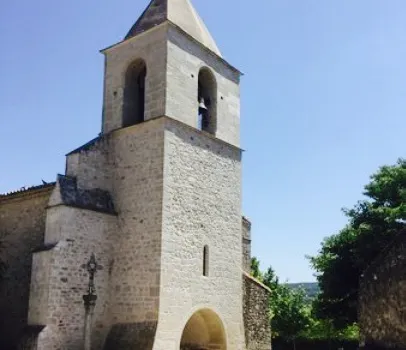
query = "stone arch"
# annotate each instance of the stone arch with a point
(134, 93)
(204, 331)
(207, 97)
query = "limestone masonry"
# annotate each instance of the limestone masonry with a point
(141, 244)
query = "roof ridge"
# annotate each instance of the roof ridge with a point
(257, 281)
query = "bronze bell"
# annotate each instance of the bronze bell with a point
(202, 105)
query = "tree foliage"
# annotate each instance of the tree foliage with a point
(270, 279)
(291, 316)
(255, 270)
(292, 313)
(289, 313)
(322, 329)
(372, 225)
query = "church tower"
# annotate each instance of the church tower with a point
(156, 198)
(174, 101)
(167, 65)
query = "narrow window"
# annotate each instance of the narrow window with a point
(206, 261)
(207, 101)
(134, 94)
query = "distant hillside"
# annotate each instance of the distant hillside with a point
(311, 289)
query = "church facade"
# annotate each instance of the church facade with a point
(141, 244)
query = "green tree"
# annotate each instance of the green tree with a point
(255, 270)
(290, 314)
(372, 225)
(270, 279)
(325, 330)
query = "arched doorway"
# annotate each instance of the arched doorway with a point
(204, 331)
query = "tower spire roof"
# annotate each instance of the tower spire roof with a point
(179, 12)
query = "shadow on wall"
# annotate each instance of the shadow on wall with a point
(131, 336)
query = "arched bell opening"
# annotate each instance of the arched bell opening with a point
(207, 101)
(204, 331)
(134, 93)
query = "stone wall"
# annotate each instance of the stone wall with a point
(246, 245)
(89, 164)
(60, 278)
(382, 301)
(256, 315)
(129, 163)
(202, 206)
(22, 227)
(137, 159)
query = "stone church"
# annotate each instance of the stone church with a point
(141, 244)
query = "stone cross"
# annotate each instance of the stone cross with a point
(90, 300)
(92, 267)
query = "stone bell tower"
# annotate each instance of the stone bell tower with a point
(166, 61)
(175, 101)
(156, 197)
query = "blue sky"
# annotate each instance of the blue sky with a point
(323, 102)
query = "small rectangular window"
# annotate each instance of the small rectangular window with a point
(206, 261)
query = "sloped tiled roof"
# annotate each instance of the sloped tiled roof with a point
(27, 190)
